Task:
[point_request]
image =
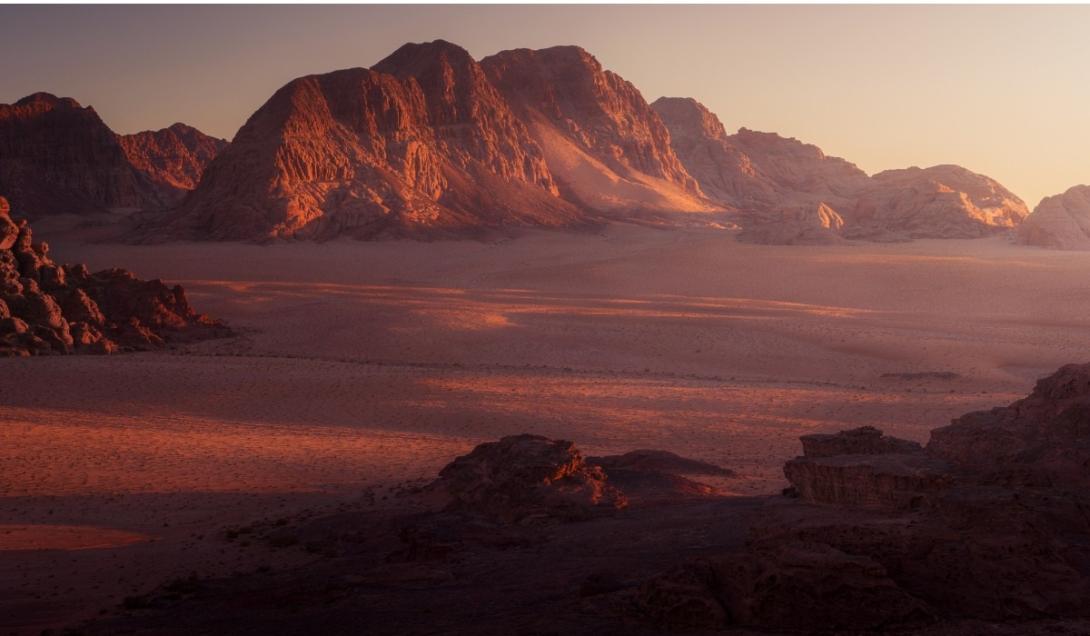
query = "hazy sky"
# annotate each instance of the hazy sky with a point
(1001, 90)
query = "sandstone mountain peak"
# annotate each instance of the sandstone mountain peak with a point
(43, 99)
(684, 116)
(57, 157)
(1060, 222)
(607, 147)
(429, 147)
(414, 57)
(174, 158)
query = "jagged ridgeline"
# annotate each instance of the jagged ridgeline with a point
(431, 143)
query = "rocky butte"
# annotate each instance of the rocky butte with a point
(58, 157)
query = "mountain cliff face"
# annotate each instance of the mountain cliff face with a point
(754, 169)
(789, 192)
(608, 149)
(172, 158)
(421, 144)
(1059, 222)
(58, 157)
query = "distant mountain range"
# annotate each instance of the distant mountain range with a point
(430, 142)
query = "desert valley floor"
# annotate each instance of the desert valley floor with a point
(359, 367)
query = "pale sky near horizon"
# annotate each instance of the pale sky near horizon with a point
(1001, 90)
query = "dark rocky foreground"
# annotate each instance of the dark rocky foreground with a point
(46, 308)
(986, 530)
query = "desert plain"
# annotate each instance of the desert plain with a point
(357, 368)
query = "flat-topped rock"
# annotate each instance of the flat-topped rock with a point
(865, 440)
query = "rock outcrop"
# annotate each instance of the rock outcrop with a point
(608, 149)
(788, 192)
(523, 477)
(1059, 222)
(865, 440)
(173, 158)
(864, 468)
(58, 157)
(1041, 440)
(994, 529)
(49, 308)
(806, 224)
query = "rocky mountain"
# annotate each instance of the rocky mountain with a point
(173, 158)
(46, 308)
(939, 202)
(608, 149)
(58, 157)
(753, 169)
(1060, 222)
(791, 192)
(420, 145)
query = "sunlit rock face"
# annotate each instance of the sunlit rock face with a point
(786, 190)
(938, 202)
(804, 224)
(1059, 222)
(46, 308)
(790, 192)
(173, 158)
(421, 144)
(607, 147)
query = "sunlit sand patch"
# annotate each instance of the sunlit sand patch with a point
(467, 319)
(62, 537)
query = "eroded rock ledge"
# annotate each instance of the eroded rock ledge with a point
(987, 523)
(46, 308)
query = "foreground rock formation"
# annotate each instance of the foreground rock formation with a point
(58, 157)
(1059, 222)
(987, 523)
(49, 308)
(789, 192)
(983, 531)
(525, 476)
